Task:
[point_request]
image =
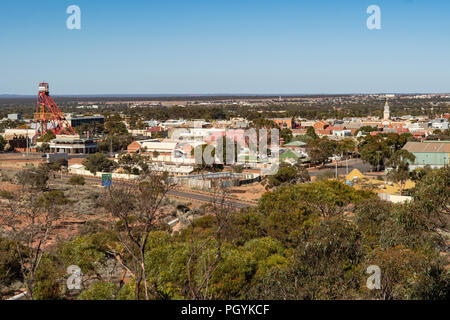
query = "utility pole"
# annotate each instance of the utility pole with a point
(26, 149)
(336, 168)
(346, 164)
(110, 147)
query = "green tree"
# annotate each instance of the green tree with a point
(133, 163)
(408, 274)
(47, 137)
(135, 212)
(346, 146)
(263, 123)
(30, 223)
(44, 147)
(320, 150)
(326, 265)
(432, 198)
(98, 162)
(46, 284)
(286, 135)
(3, 143)
(287, 174)
(399, 164)
(36, 178)
(374, 150)
(10, 269)
(114, 143)
(115, 126)
(310, 132)
(100, 291)
(366, 129)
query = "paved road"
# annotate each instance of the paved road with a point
(342, 169)
(184, 194)
(32, 157)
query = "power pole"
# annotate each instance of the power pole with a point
(110, 147)
(26, 150)
(346, 164)
(336, 168)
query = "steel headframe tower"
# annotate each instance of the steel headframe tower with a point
(48, 116)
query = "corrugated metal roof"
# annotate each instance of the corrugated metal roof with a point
(295, 144)
(428, 146)
(169, 146)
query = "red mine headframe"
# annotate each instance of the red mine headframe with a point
(48, 116)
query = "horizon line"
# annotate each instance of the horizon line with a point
(163, 95)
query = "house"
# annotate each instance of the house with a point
(135, 146)
(320, 125)
(293, 156)
(283, 123)
(299, 132)
(295, 145)
(159, 151)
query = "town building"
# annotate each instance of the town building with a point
(14, 116)
(386, 112)
(72, 145)
(284, 123)
(435, 154)
(78, 121)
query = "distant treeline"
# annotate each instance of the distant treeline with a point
(320, 109)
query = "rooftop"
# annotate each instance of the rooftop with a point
(295, 144)
(429, 146)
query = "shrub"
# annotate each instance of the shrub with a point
(77, 181)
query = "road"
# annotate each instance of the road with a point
(32, 156)
(342, 170)
(176, 193)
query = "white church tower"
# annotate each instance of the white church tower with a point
(386, 113)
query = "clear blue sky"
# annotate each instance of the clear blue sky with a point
(195, 47)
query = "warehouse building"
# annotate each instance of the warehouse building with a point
(435, 154)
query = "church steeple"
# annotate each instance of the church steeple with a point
(386, 113)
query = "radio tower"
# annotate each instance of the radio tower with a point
(48, 116)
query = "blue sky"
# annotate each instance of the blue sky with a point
(195, 47)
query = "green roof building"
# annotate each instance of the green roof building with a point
(435, 154)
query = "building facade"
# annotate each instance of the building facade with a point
(435, 154)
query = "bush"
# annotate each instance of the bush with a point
(9, 262)
(77, 181)
(100, 291)
(53, 197)
(34, 177)
(46, 284)
(6, 194)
